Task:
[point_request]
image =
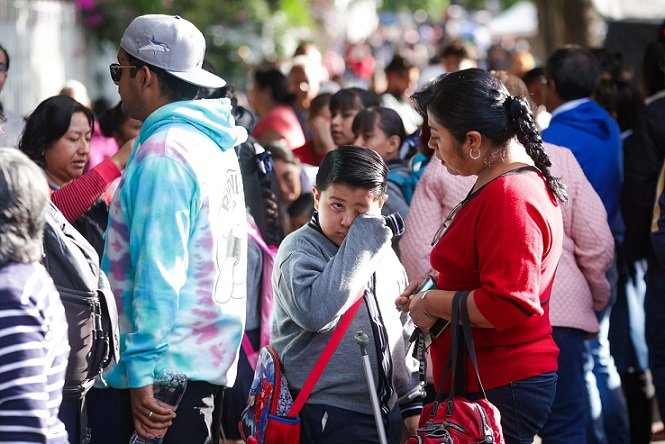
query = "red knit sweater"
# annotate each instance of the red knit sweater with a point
(76, 197)
(505, 244)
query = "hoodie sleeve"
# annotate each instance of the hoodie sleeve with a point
(160, 225)
(317, 291)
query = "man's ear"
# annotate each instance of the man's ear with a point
(145, 77)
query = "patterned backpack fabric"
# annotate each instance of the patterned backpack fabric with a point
(269, 402)
(407, 180)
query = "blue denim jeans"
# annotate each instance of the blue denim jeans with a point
(567, 423)
(654, 308)
(609, 416)
(524, 406)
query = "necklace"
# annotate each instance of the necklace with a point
(446, 222)
(443, 228)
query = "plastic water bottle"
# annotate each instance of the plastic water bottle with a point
(169, 387)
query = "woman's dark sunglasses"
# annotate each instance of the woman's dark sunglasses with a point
(116, 70)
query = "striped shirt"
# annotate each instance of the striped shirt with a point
(33, 356)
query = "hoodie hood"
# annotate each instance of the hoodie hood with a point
(589, 117)
(212, 117)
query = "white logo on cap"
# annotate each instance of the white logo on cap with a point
(153, 45)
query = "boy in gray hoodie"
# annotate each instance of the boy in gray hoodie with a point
(319, 271)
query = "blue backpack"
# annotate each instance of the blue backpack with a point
(407, 181)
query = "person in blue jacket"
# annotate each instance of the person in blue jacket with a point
(594, 137)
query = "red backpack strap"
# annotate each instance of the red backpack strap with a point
(327, 353)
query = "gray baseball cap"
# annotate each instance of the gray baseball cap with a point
(172, 43)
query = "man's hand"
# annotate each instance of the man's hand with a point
(152, 417)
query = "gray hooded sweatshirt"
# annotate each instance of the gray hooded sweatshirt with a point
(315, 282)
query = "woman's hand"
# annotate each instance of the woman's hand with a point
(418, 312)
(404, 299)
(121, 157)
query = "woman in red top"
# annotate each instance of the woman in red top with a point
(503, 241)
(57, 138)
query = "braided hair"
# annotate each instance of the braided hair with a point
(475, 100)
(524, 126)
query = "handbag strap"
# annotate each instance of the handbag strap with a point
(459, 310)
(326, 354)
(468, 338)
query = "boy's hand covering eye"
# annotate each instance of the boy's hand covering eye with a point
(395, 223)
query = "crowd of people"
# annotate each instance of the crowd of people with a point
(226, 220)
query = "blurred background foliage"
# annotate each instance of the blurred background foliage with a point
(243, 33)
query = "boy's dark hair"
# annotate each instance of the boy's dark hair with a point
(273, 78)
(318, 103)
(170, 86)
(355, 167)
(112, 119)
(575, 71)
(536, 73)
(48, 123)
(389, 121)
(279, 151)
(353, 98)
(456, 48)
(398, 65)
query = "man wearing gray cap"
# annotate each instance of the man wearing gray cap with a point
(175, 250)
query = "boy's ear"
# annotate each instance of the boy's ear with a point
(315, 194)
(383, 199)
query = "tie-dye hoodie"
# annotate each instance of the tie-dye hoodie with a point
(175, 249)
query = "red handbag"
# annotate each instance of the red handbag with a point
(459, 420)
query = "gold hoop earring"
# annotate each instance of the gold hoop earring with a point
(477, 156)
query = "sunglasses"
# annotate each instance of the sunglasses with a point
(116, 70)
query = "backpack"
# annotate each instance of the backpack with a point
(269, 400)
(89, 304)
(268, 253)
(407, 181)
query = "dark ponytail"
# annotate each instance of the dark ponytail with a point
(524, 125)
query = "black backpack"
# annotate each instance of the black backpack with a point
(89, 304)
